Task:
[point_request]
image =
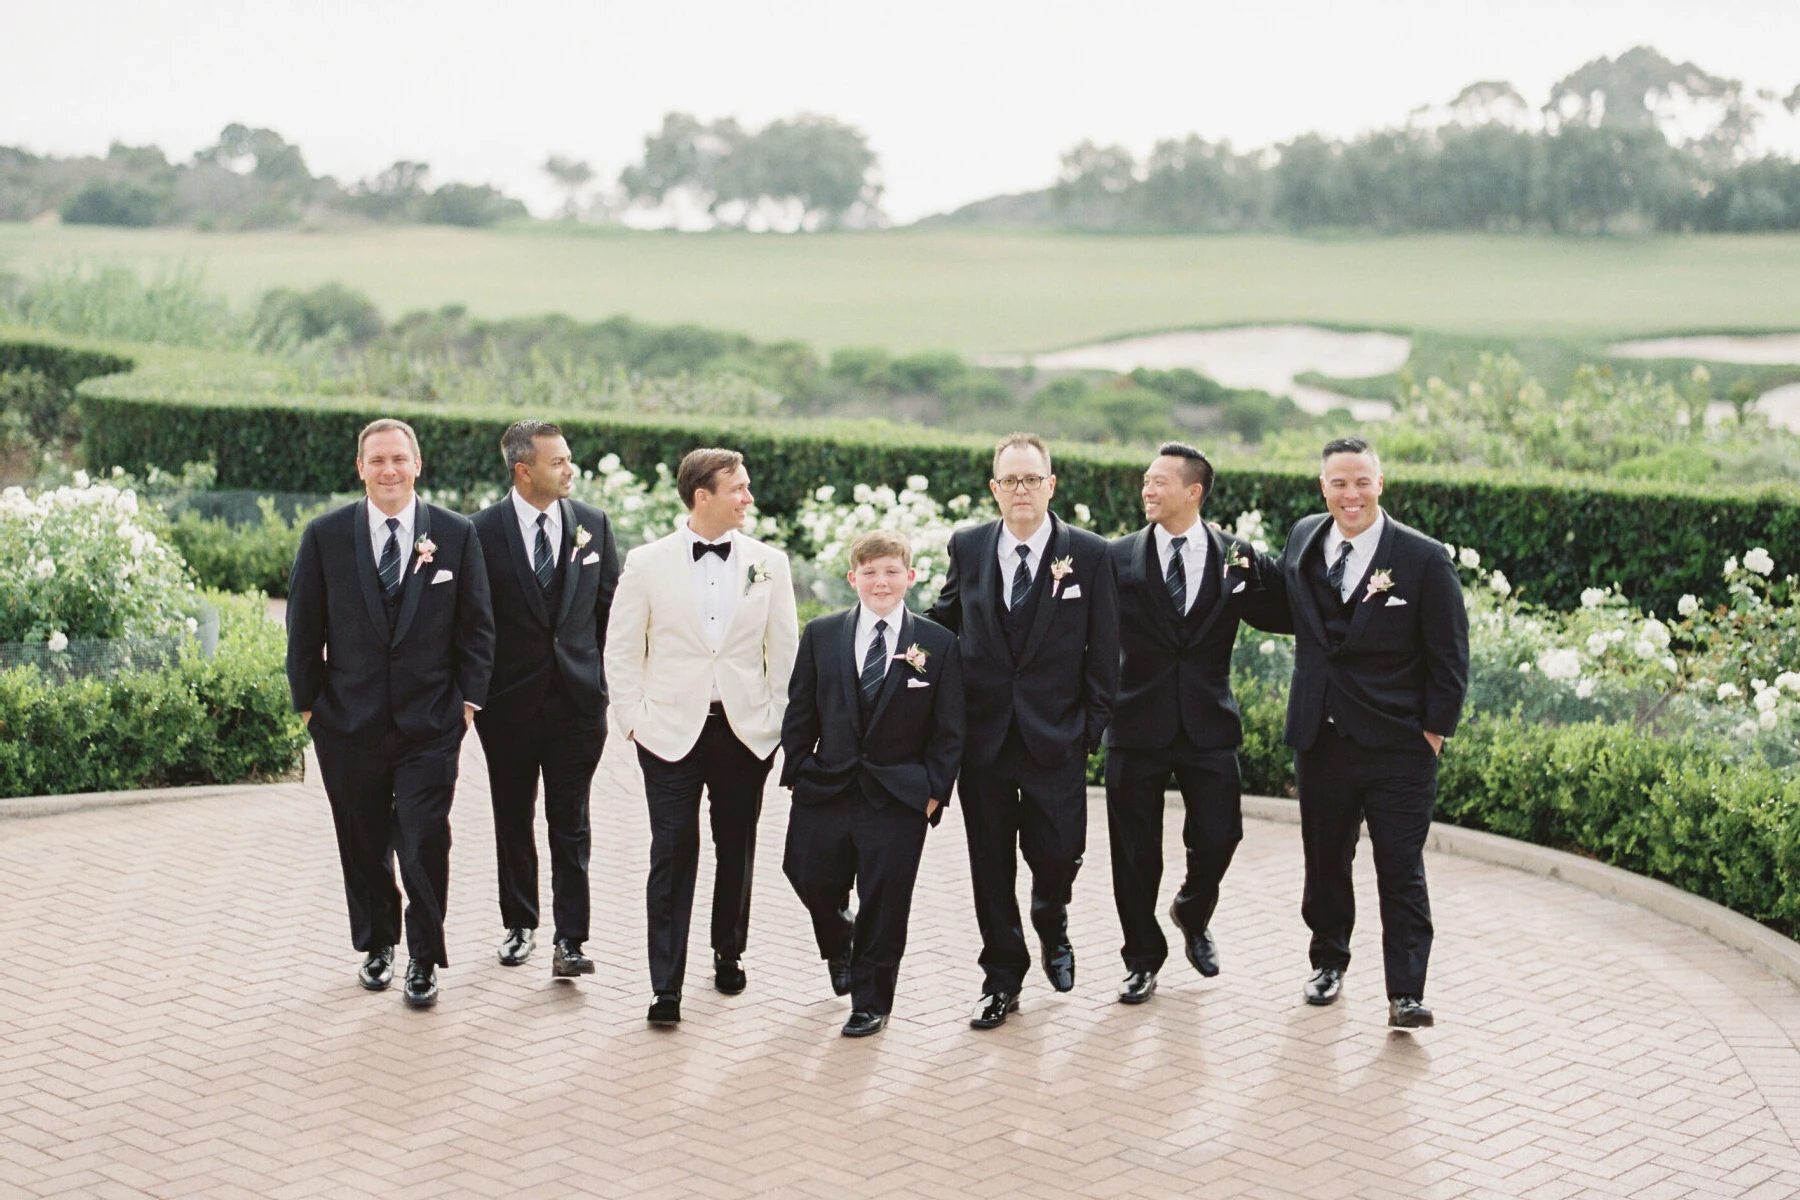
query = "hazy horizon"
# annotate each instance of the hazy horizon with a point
(959, 103)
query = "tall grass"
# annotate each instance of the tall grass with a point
(171, 307)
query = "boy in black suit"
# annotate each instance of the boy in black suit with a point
(872, 739)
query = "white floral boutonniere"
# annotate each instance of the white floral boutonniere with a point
(1238, 560)
(423, 549)
(915, 657)
(1379, 582)
(1061, 569)
(582, 537)
(757, 574)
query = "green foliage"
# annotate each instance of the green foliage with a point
(247, 557)
(218, 720)
(114, 202)
(171, 308)
(285, 316)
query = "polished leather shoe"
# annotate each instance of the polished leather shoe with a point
(515, 948)
(1059, 965)
(377, 969)
(1202, 951)
(863, 1023)
(1405, 1012)
(421, 984)
(992, 1011)
(569, 961)
(728, 975)
(839, 966)
(1138, 987)
(666, 1011)
(1324, 986)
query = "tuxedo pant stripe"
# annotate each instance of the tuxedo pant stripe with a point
(878, 847)
(1014, 808)
(562, 745)
(732, 777)
(1212, 826)
(1343, 784)
(390, 801)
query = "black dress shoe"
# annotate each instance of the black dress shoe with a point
(569, 961)
(421, 984)
(666, 1011)
(728, 975)
(862, 1023)
(1405, 1012)
(992, 1011)
(1202, 951)
(1324, 986)
(839, 966)
(377, 969)
(515, 948)
(1138, 987)
(1059, 965)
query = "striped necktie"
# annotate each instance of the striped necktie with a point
(1335, 576)
(389, 567)
(543, 563)
(1021, 580)
(874, 664)
(1176, 579)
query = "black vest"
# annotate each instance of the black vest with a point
(1016, 623)
(1335, 611)
(1210, 575)
(552, 606)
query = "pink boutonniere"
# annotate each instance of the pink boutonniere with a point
(1379, 582)
(1239, 561)
(582, 537)
(1060, 570)
(423, 549)
(915, 657)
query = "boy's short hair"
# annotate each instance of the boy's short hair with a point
(880, 543)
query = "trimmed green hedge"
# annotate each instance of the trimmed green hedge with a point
(1552, 536)
(217, 720)
(64, 365)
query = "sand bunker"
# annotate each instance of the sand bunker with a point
(1258, 356)
(1781, 405)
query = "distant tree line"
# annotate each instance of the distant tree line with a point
(1636, 143)
(248, 179)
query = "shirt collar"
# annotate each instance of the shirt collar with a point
(1365, 540)
(1037, 541)
(865, 620)
(378, 521)
(529, 512)
(1195, 535)
(695, 539)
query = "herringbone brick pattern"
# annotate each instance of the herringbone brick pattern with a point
(179, 1017)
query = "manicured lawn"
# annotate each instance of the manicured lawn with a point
(987, 291)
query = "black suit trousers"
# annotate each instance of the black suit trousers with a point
(1212, 826)
(390, 798)
(562, 745)
(1011, 807)
(845, 840)
(733, 778)
(1341, 785)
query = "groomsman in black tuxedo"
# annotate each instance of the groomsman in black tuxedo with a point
(871, 740)
(1183, 589)
(390, 646)
(1381, 665)
(1035, 607)
(551, 568)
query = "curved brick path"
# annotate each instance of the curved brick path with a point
(179, 1016)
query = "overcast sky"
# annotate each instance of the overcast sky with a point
(959, 100)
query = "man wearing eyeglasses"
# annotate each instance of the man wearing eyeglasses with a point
(1035, 606)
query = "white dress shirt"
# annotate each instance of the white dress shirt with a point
(1362, 553)
(714, 594)
(865, 633)
(378, 534)
(528, 515)
(1193, 556)
(1008, 551)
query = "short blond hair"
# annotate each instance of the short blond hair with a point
(880, 543)
(387, 425)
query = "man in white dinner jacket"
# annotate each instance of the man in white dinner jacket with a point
(698, 655)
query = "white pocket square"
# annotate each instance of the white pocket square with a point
(1394, 602)
(593, 557)
(917, 683)
(1240, 587)
(1072, 591)
(444, 575)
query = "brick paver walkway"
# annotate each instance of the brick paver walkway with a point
(179, 1016)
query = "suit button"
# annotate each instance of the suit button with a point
(394, 655)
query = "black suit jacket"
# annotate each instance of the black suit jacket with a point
(911, 747)
(1061, 688)
(1176, 671)
(1403, 668)
(530, 640)
(348, 668)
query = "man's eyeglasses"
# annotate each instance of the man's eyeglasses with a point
(1013, 483)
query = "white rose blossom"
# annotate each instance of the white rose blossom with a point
(1730, 567)
(1584, 689)
(1758, 560)
(1687, 606)
(1655, 632)
(1789, 681)
(1768, 718)
(81, 480)
(1468, 557)
(1267, 647)
(45, 568)
(1597, 644)
(1729, 691)
(1767, 701)
(1498, 582)
(58, 642)
(1593, 597)
(1559, 664)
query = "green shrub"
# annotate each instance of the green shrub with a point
(218, 720)
(252, 557)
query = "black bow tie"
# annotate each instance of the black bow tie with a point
(702, 549)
